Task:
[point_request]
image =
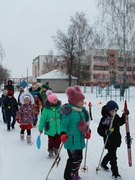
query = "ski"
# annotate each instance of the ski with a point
(56, 161)
(128, 138)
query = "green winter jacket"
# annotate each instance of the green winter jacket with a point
(43, 97)
(50, 119)
(69, 125)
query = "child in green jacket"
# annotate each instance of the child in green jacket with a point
(50, 122)
(74, 130)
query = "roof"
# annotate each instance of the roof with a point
(55, 74)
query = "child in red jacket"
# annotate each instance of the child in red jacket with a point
(25, 115)
(37, 107)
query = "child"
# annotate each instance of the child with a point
(25, 115)
(3, 96)
(109, 114)
(21, 91)
(44, 88)
(11, 107)
(50, 122)
(74, 130)
(37, 107)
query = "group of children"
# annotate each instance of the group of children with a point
(69, 124)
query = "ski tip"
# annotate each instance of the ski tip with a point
(130, 164)
(125, 105)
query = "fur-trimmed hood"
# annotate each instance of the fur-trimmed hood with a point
(23, 95)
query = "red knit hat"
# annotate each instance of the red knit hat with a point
(74, 95)
(10, 92)
(51, 96)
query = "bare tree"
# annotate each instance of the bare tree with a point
(1, 52)
(72, 46)
(48, 63)
(4, 73)
(118, 23)
(65, 45)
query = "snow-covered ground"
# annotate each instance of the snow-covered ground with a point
(19, 161)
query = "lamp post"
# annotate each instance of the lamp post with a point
(27, 75)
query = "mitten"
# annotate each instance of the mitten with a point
(88, 135)
(83, 126)
(127, 112)
(64, 137)
(109, 131)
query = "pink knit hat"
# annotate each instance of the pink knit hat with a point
(51, 96)
(74, 95)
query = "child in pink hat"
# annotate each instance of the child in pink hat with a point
(50, 122)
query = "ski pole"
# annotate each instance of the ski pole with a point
(84, 168)
(97, 168)
(57, 158)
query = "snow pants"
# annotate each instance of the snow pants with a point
(54, 141)
(73, 163)
(112, 157)
(9, 123)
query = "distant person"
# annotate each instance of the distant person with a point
(50, 122)
(109, 114)
(11, 107)
(35, 90)
(3, 96)
(9, 86)
(44, 88)
(25, 115)
(48, 85)
(21, 90)
(74, 130)
(37, 107)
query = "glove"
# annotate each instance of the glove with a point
(40, 131)
(109, 131)
(127, 112)
(64, 137)
(88, 135)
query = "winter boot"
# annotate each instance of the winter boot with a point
(105, 167)
(51, 153)
(56, 151)
(76, 177)
(115, 177)
(22, 137)
(29, 140)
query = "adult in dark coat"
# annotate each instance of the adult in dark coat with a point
(9, 86)
(109, 114)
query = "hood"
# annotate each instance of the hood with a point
(103, 111)
(10, 82)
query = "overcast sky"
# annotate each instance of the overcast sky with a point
(27, 27)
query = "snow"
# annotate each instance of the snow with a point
(55, 74)
(19, 161)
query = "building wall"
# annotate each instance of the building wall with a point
(58, 86)
(103, 64)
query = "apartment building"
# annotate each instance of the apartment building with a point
(100, 64)
(45, 63)
(108, 65)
